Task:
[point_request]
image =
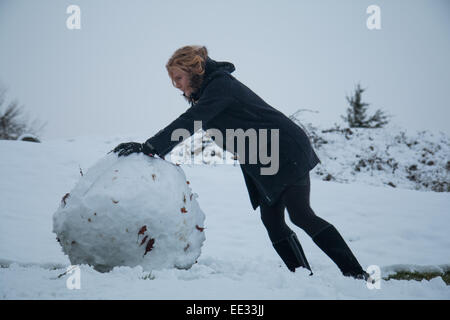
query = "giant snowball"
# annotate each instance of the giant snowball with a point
(128, 211)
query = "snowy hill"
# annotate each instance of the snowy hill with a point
(387, 156)
(393, 228)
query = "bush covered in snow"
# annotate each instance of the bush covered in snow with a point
(28, 137)
(381, 156)
(130, 211)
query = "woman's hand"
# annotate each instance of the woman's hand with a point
(127, 148)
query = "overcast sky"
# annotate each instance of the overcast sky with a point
(109, 77)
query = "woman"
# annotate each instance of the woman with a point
(222, 102)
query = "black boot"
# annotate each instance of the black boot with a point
(332, 243)
(291, 252)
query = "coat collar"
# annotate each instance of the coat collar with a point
(212, 67)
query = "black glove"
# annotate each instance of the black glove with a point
(127, 148)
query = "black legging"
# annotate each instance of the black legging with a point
(296, 199)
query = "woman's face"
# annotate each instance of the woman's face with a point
(181, 80)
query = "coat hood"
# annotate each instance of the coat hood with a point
(211, 67)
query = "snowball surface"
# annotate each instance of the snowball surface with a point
(128, 211)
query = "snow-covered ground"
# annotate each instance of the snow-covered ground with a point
(393, 228)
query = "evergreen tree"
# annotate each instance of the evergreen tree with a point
(356, 114)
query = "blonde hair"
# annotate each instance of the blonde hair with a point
(190, 59)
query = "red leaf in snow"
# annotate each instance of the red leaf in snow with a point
(149, 246)
(143, 240)
(142, 230)
(183, 210)
(199, 228)
(187, 181)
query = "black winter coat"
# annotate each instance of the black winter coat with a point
(223, 102)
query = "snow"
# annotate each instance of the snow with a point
(129, 211)
(393, 228)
